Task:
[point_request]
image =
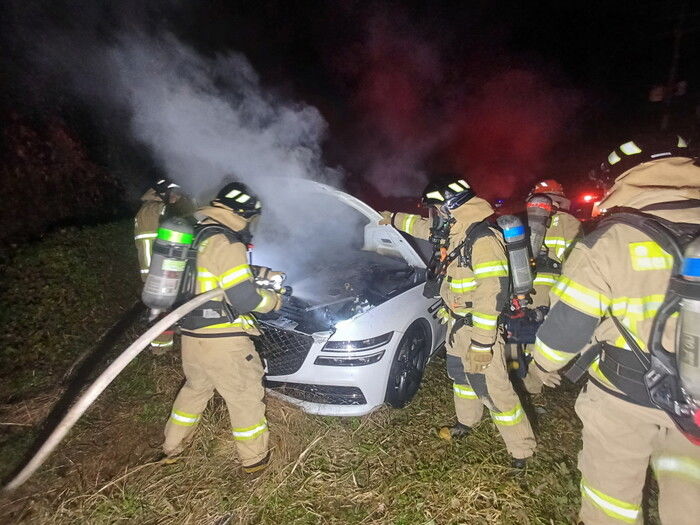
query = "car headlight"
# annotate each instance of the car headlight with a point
(358, 346)
(349, 360)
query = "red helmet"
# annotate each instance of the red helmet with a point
(549, 186)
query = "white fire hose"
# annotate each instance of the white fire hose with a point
(99, 385)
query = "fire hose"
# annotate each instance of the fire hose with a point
(101, 383)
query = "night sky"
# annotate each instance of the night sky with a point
(502, 92)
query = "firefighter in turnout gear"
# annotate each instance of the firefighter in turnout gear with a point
(562, 230)
(474, 286)
(154, 207)
(614, 282)
(217, 350)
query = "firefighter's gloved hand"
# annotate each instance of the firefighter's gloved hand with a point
(280, 300)
(276, 278)
(550, 379)
(386, 217)
(443, 315)
(479, 357)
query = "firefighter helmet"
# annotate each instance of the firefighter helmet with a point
(447, 192)
(237, 197)
(165, 187)
(549, 187)
(640, 149)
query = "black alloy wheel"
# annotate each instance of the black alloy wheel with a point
(408, 365)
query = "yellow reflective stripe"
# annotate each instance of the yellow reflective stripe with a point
(615, 508)
(251, 432)
(637, 308)
(683, 466)
(630, 148)
(509, 418)
(461, 312)
(464, 391)
(408, 221)
(594, 370)
(183, 418)
(546, 279)
(235, 276)
(649, 256)
(484, 321)
(461, 285)
(147, 252)
(146, 236)
(581, 298)
(556, 356)
(559, 244)
(246, 322)
(144, 270)
(159, 344)
(491, 269)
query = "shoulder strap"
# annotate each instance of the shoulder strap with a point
(475, 232)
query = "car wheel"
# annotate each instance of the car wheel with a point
(408, 365)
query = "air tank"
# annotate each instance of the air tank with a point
(518, 256)
(168, 264)
(688, 330)
(539, 209)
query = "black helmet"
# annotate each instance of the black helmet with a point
(165, 187)
(643, 148)
(239, 198)
(447, 192)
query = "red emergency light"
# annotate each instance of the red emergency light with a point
(588, 197)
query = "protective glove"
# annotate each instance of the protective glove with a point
(279, 302)
(276, 278)
(479, 357)
(550, 379)
(443, 315)
(386, 217)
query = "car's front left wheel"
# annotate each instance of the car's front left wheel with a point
(408, 365)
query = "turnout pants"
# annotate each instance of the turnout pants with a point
(620, 440)
(493, 389)
(232, 367)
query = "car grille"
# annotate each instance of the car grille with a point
(283, 350)
(325, 394)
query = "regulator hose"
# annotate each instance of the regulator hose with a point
(99, 385)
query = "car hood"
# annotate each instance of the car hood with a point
(382, 239)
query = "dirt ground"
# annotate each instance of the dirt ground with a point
(386, 467)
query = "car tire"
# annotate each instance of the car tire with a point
(409, 362)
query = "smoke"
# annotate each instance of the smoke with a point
(428, 102)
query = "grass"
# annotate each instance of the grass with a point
(387, 467)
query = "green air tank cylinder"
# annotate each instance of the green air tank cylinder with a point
(688, 329)
(168, 263)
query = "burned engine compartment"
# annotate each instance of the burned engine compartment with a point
(340, 289)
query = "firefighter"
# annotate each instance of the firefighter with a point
(618, 274)
(474, 290)
(217, 349)
(155, 205)
(562, 230)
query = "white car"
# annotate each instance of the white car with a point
(357, 331)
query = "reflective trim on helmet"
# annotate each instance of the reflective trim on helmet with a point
(613, 158)
(630, 148)
(231, 194)
(681, 142)
(456, 187)
(464, 183)
(435, 195)
(243, 198)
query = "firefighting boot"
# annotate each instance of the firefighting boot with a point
(456, 431)
(518, 464)
(257, 468)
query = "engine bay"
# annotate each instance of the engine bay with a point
(339, 290)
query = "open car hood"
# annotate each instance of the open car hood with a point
(383, 239)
